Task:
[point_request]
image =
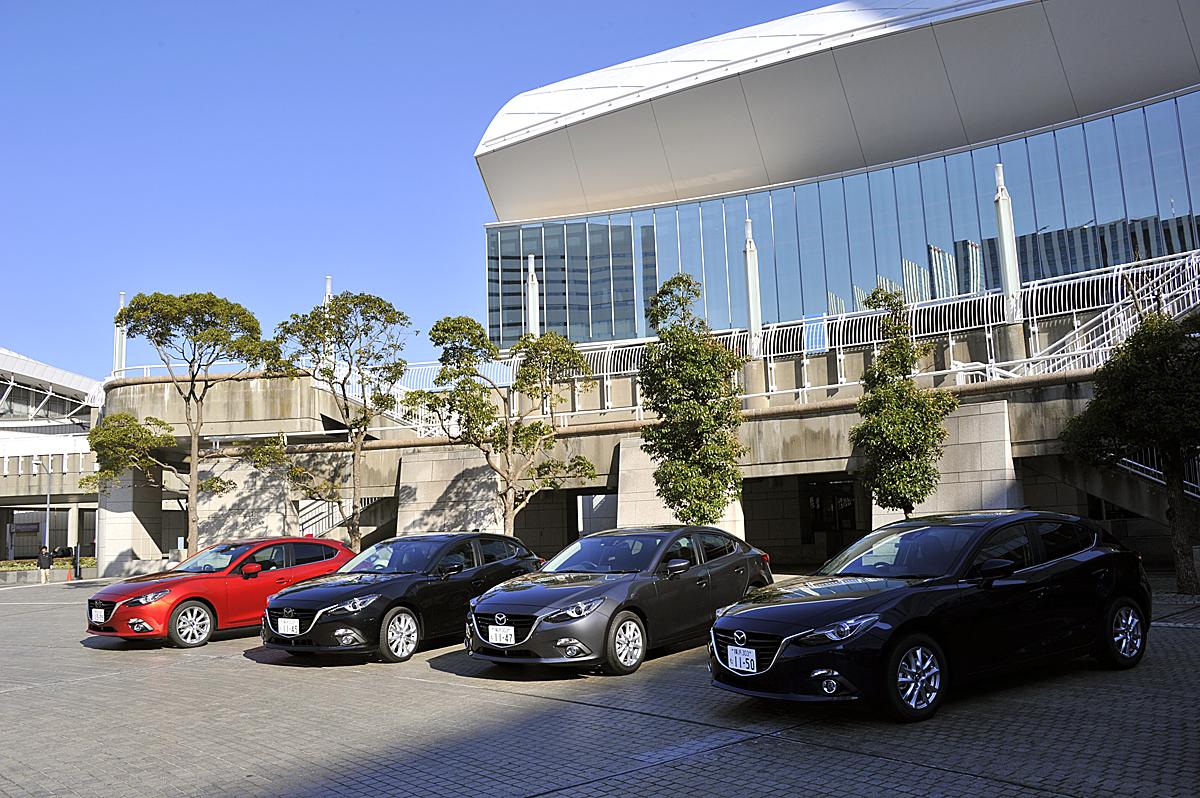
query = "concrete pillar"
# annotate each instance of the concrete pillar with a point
(1009, 342)
(755, 380)
(128, 526)
(257, 506)
(977, 470)
(637, 495)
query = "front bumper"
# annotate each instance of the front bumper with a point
(544, 643)
(147, 621)
(344, 633)
(834, 672)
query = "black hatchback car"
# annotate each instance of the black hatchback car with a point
(918, 603)
(393, 595)
(608, 597)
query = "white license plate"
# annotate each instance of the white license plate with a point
(743, 659)
(503, 635)
(97, 615)
(289, 626)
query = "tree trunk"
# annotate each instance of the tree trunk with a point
(354, 523)
(1181, 544)
(510, 511)
(193, 496)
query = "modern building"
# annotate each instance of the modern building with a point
(861, 140)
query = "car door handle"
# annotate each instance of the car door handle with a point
(740, 570)
(1042, 592)
(701, 583)
(476, 583)
(282, 581)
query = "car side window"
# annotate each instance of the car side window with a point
(495, 550)
(309, 553)
(1062, 538)
(270, 557)
(1009, 543)
(682, 549)
(716, 546)
(461, 554)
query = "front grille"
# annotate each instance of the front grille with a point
(765, 646)
(305, 617)
(522, 624)
(107, 606)
(515, 653)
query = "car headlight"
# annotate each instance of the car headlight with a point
(580, 609)
(840, 631)
(722, 610)
(353, 605)
(146, 599)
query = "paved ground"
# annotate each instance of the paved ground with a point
(81, 716)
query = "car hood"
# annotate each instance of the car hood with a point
(814, 600)
(538, 591)
(335, 587)
(137, 585)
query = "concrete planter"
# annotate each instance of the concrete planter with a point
(32, 577)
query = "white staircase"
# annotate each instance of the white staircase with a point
(319, 517)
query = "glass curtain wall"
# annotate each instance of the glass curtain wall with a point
(1113, 190)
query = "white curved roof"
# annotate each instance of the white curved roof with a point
(27, 371)
(837, 88)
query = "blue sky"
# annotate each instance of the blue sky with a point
(250, 148)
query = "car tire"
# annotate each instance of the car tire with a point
(399, 635)
(1123, 634)
(915, 679)
(191, 624)
(625, 644)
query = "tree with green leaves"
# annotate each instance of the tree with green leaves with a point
(1148, 396)
(352, 345)
(687, 379)
(193, 334)
(123, 443)
(513, 425)
(903, 425)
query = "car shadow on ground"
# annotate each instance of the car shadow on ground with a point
(273, 656)
(106, 643)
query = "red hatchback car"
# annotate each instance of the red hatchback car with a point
(222, 587)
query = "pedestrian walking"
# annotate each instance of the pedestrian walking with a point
(45, 563)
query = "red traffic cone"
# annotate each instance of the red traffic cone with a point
(70, 574)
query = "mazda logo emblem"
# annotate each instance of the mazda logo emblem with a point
(288, 611)
(739, 637)
(501, 619)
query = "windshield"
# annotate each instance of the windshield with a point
(394, 557)
(903, 552)
(606, 554)
(213, 559)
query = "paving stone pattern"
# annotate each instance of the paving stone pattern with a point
(90, 717)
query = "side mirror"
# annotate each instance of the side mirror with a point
(996, 569)
(677, 567)
(450, 570)
(251, 569)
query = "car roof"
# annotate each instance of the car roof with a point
(274, 539)
(649, 529)
(981, 518)
(445, 536)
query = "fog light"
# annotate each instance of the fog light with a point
(829, 687)
(572, 651)
(348, 637)
(138, 625)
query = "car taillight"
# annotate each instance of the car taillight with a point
(541, 562)
(766, 558)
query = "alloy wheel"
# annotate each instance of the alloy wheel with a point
(1127, 632)
(919, 677)
(629, 643)
(402, 635)
(193, 625)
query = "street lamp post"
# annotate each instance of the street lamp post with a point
(45, 469)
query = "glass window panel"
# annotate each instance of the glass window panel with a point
(914, 253)
(812, 250)
(1076, 181)
(578, 289)
(1015, 157)
(935, 199)
(759, 206)
(555, 243)
(1108, 194)
(1170, 176)
(735, 256)
(1134, 153)
(1047, 189)
(690, 260)
(600, 274)
(787, 254)
(1189, 125)
(984, 160)
(512, 303)
(862, 243)
(645, 266)
(531, 244)
(964, 222)
(666, 243)
(493, 284)
(624, 285)
(716, 276)
(886, 230)
(837, 247)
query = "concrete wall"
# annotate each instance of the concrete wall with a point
(258, 505)
(446, 488)
(128, 527)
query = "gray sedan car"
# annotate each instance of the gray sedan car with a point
(608, 597)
